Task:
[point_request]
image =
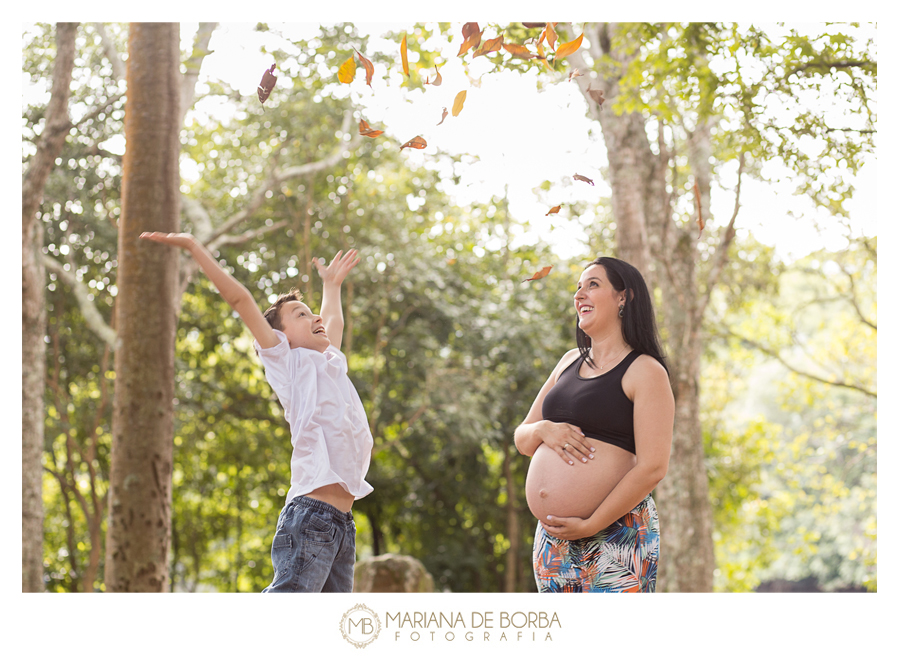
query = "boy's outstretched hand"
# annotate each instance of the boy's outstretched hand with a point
(339, 267)
(183, 240)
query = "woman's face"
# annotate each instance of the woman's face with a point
(596, 301)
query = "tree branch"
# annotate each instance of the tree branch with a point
(192, 66)
(112, 54)
(777, 356)
(92, 316)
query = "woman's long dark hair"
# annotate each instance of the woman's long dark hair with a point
(638, 321)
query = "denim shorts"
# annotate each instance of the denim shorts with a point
(314, 548)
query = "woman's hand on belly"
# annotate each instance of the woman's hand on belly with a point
(567, 527)
(567, 441)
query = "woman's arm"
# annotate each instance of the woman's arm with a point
(654, 415)
(534, 430)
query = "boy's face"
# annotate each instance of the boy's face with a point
(302, 327)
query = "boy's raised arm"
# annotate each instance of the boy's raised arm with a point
(231, 290)
(332, 277)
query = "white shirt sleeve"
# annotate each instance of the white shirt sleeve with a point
(280, 367)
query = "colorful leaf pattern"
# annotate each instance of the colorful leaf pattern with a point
(620, 558)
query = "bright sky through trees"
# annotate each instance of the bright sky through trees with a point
(515, 135)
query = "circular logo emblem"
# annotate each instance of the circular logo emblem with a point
(360, 625)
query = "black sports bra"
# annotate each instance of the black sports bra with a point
(597, 405)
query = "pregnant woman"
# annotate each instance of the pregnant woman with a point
(599, 434)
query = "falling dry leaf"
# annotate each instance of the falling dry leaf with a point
(566, 49)
(550, 35)
(403, 57)
(365, 131)
(534, 25)
(347, 71)
(415, 143)
(553, 210)
(370, 70)
(583, 178)
(700, 221)
(597, 95)
(266, 85)
(471, 38)
(489, 46)
(437, 78)
(516, 50)
(541, 55)
(451, 261)
(443, 116)
(540, 274)
(458, 102)
(575, 73)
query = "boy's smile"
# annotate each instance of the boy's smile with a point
(303, 328)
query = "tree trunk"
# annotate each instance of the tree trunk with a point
(34, 312)
(665, 253)
(137, 542)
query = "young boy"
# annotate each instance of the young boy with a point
(314, 548)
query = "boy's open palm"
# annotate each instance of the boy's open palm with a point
(339, 267)
(183, 240)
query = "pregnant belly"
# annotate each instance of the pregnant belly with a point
(553, 486)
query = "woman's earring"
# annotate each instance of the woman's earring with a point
(622, 311)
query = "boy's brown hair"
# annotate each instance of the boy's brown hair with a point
(273, 313)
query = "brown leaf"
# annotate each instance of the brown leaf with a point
(597, 95)
(553, 210)
(415, 143)
(266, 85)
(458, 102)
(347, 71)
(700, 221)
(516, 50)
(540, 274)
(470, 41)
(568, 48)
(575, 73)
(403, 56)
(468, 29)
(370, 69)
(584, 178)
(443, 116)
(489, 46)
(534, 25)
(437, 78)
(365, 131)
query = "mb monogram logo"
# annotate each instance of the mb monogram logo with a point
(360, 625)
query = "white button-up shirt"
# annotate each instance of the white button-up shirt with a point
(329, 430)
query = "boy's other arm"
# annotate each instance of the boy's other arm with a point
(332, 277)
(231, 290)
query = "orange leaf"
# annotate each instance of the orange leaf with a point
(468, 29)
(370, 69)
(347, 71)
(553, 210)
(550, 34)
(403, 57)
(541, 55)
(443, 116)
(583, 178)
(365, 131)
(437, 78)
(458, 102)
(540, 274)
(415, 143)
(516, 50)
(567, 49)
(489, 46)
(471, 41)
(267, 84)
(700, 221)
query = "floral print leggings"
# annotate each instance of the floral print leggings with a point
(619, 558)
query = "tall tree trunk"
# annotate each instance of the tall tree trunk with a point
(56, 127)
(137, 541)
(648, 238)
